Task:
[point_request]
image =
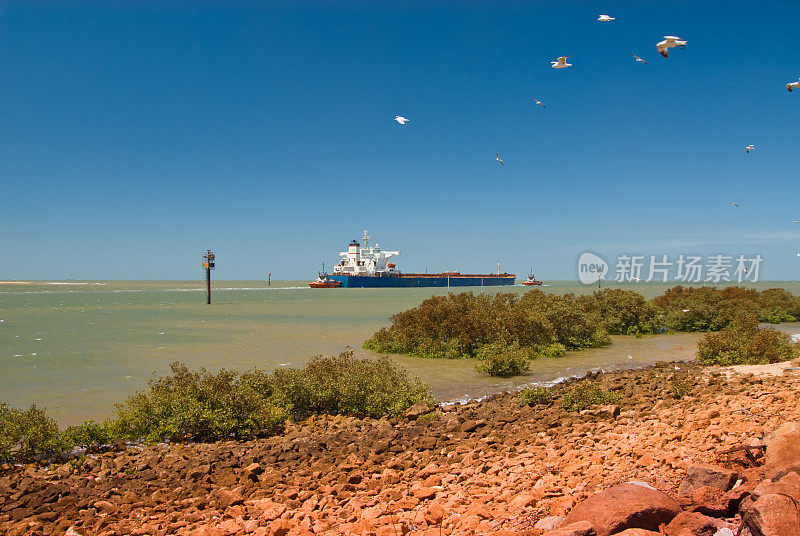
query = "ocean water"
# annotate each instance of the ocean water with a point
(76, 348)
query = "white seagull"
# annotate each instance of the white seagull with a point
(747, 149)
(561, 63)
(791, 85)
(733, 204)
(669, 41)
(402, 120)
(497, 157)
(794, 221)
(605, 18)
(539, 103)
(639, 59)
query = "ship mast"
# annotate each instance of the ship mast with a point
(366, 238)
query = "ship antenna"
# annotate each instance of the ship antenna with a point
(366, 238)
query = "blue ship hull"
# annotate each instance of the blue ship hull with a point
(365, 281)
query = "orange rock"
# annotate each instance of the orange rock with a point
(434, 513)
(773, 515)
(423, 493)
(280, 527)
(581, 528)
(522, 500)
(625, 506)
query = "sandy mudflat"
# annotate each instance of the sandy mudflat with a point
(16, 283)
(771, 369)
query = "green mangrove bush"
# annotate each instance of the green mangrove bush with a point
(744, 342)
(502, 360)
(543, 324)
(536, 395)
(711, 309)
(460, 325)
(346, 385)
(199, 406)
(204, 406)
(27, 435)
(587, 394)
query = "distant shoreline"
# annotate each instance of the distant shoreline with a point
(50, 283)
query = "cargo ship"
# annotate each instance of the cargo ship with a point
(369, 267)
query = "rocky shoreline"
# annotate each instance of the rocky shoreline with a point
(692, 441)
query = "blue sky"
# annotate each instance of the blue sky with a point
(133, 135)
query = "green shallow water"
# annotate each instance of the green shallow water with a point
(79, 347)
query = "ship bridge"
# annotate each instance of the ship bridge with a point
(366, 259)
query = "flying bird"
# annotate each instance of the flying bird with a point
(669, 41)
(561, 63)
(747, 149)
(402, 120)
(794, 221)
(791, 85)
(733, 204)
(497, 157)
(639, 59)
(605, 18)
(539, 103)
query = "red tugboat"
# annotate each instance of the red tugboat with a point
(531, 281)
(324, 280)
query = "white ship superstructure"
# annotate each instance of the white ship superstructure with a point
(366, 260)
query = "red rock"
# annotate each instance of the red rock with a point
(522, 500)
(625, 506)
(581, 528)
(711, 501)
(425, 493)
(104, 506)
(783, 447)
(637, 532)
(549, 523)
(707, 475)
(692, 524)
(390, 476)
(280, 527)
(228, 497)
(788, 484)
(417, 410)
(773, 515)
(602, 412)
(435, 513)
(395, 529)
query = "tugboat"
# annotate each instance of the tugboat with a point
(531, 281)
(324, 280)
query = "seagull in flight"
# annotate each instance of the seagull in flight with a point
(497, 157)
(605, 18)
(639, 59)
(402, 120)
(561, 63)
(669, 41)
(794, 221)
(791, 85)
(539, 103)
(747, 149)
(733, 204)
